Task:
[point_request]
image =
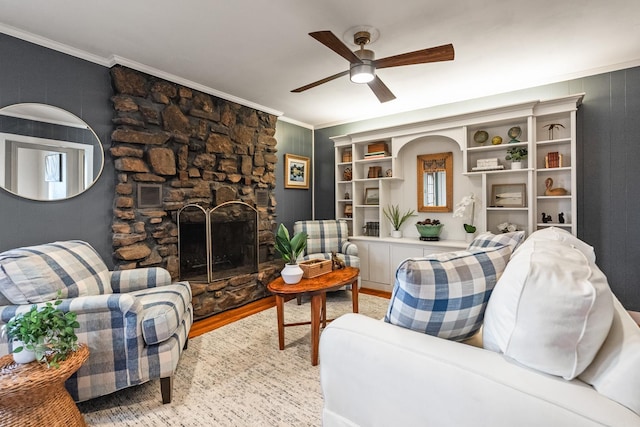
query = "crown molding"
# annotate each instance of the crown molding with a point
(115, 59)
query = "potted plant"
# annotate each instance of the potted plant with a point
(46, 334)
(290, 249)
(516, 155)
(460, 211)
(392, 213)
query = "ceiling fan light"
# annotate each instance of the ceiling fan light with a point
(362, 73)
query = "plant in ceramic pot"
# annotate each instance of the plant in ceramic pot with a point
(46, 334)
(516, 155)
(393, 214)
(290, 249)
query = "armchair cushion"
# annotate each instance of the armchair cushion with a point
(326, 236)
(323, 236)
(35, 274)
(445, 295)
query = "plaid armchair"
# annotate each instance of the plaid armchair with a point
(325, 236)
(135, 322)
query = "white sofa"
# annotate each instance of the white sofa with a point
(374, 373)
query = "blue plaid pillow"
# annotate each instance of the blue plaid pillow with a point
(446, 294)
(489, 240)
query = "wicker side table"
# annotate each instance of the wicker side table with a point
(34, 395)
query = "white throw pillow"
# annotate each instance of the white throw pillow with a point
(615, 372)
(551, 310)
(558, 234)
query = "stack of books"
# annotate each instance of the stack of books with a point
(553, 160)
(377, 150)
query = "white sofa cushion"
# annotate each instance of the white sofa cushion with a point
(551, 309)
(445, 295)
(615, 372)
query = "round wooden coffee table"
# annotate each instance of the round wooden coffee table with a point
(317, 287)
(34, 395)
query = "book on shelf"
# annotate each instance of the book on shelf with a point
(377, 155)
(487, 168)
(553, 160)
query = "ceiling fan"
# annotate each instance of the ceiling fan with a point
(363, 64)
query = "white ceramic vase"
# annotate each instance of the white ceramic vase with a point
(516, 165)
(396, 233)
(24, 356)
(291, 274)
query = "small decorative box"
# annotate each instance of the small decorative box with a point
(315, 267)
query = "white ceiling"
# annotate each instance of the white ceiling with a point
(256, 51)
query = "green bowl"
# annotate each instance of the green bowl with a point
(429, 230)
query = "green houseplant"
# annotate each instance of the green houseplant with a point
(47, 331)
(516, 155)
(392, 212)
(290, 249)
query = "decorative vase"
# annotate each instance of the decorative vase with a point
(429, 232)
(396, 233)
(516, 165)
(469, 237)
(24, 356)
(291, 274)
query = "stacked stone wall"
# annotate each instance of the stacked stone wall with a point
(200, 149)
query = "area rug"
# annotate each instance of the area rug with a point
(236, 376)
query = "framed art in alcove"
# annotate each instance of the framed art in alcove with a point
(296, 171)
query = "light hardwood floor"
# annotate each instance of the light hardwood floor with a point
(218, 320)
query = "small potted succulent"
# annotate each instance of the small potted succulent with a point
(290, 248)
(516, 155)
(46, 334)
(393, 214)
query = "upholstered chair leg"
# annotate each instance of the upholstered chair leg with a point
(299, 299)
(186, 344)
(166, 385)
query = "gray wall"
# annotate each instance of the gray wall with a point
(31, 73)
(607, 166)
(293, 204)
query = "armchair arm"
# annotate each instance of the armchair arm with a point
(123, 281)
(97, 315)
(349, 248)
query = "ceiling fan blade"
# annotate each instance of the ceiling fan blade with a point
(328, 39)
(381, 90)
(319, 82)
(433, 54)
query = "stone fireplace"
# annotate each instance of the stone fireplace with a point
(185, 163)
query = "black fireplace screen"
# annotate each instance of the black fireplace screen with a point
(218, 243)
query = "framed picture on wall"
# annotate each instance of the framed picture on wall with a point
(296, 171)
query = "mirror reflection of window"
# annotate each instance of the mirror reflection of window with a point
(435, 182)
(47, 153)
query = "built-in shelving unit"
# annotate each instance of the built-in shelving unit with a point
(532, 119)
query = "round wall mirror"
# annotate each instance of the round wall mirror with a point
(47, 153)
